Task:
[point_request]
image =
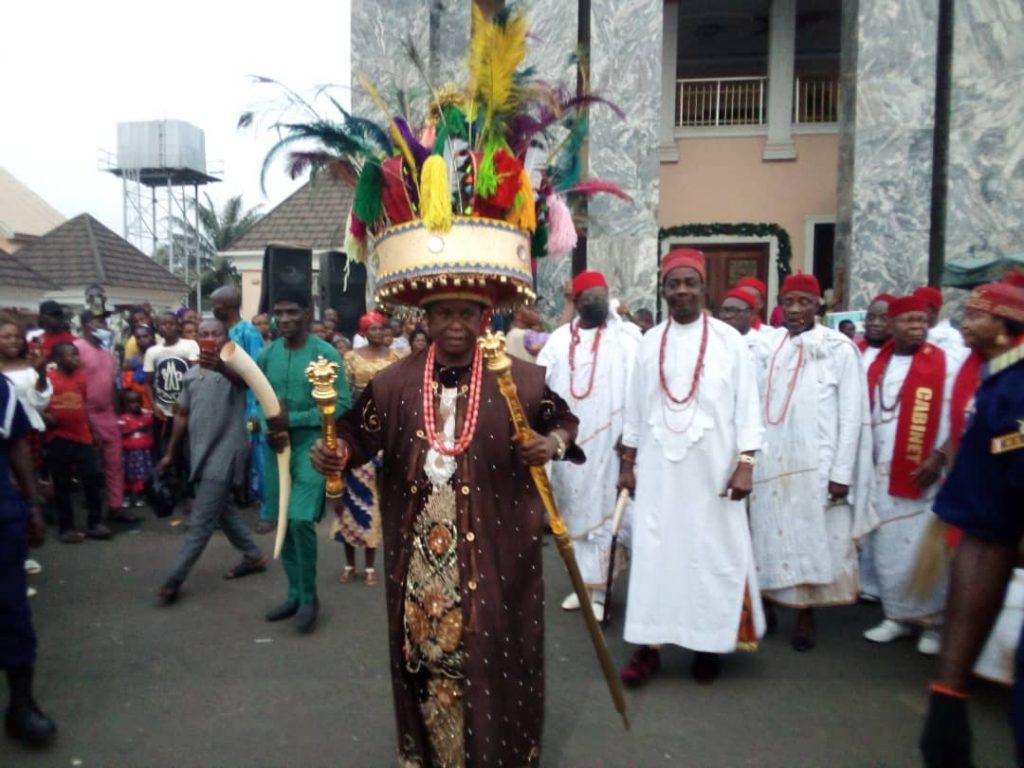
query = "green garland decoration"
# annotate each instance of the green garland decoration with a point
(785, 252)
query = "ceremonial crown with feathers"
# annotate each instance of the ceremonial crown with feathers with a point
(461, 202)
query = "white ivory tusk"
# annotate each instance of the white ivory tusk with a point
(236, 359)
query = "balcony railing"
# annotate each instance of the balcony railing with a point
(730, 101)
(815, 100)
(721, 101)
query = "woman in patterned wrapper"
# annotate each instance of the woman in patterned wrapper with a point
(358, 521)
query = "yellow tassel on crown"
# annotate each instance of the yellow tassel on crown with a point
(435, 195)
(524, 214)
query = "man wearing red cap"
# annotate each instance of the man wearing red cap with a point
(737, 309)
(589, 362)
(809, 506)
(692, 428)
(941, 333)
(908, 386)
(982, 497)
(876, 333)
(759, 292)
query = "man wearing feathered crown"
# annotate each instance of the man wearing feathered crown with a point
(456, 209)
(462, 531)
(588, 363)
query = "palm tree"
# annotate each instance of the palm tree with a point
(217, 230)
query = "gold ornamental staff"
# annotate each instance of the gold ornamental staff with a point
(492, 345)
(322, 373)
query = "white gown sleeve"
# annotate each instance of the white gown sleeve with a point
(852, 383)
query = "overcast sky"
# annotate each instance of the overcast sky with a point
(70, 71)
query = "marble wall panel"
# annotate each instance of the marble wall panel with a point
(986, 154)
(626, 45)
(888, 190)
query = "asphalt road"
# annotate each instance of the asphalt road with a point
(208, 682)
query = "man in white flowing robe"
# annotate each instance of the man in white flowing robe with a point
(876, 333)
(809, 505)
(589, 362)
(896, 385)
(692, 427)
(737, 309)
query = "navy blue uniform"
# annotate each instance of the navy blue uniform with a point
(17, 638)
(984, 493)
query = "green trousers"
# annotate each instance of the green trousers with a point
(298, 555)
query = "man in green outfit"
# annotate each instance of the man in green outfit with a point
(284, 364)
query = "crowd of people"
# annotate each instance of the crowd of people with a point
(769, 467)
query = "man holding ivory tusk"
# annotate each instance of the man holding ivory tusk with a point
(298, 424)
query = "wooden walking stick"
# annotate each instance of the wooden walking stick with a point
(493, 348)
(620, 508)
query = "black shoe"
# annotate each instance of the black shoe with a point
(284, 611)
(706, 667)
(305, 618)
(169, 592)
(30, 726)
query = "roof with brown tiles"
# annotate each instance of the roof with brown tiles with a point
(314, 216)
(14, 273)
(82, 251)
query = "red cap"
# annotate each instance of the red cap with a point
(801, 282)
(999, 299)
(900, 305)
(752, 282)
(585, 280)
(371, 318)
(1014, 277)
(931, 296)
(741, 295)
(683, 257)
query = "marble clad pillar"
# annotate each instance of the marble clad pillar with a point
(985, 215)
(379, 30)
(625, 53)
(553, 40)
(886, 147)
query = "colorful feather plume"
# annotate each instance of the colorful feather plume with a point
(596, 186)
(496, 51)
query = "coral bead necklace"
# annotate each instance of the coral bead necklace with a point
(472, 407)
(594, 349)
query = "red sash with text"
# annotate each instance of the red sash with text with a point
(920, 412)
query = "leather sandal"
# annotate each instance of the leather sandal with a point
(348, 575)
(371, 577)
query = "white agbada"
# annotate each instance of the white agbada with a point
(691, 558)
(805, 545)
(868, 575)
(947, 338)
(585, 493)
(902, 522)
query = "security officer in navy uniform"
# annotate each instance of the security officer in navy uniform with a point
(984, 497)
(21, 525)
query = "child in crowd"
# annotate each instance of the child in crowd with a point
(69, 443)
(189, 330)
(137, 434)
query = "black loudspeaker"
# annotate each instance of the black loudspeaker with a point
(285, 267)
(345, 294)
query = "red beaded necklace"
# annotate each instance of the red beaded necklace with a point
(472, 407)
(575, 330)
(789, 389)
(881, 392)
(696, 370)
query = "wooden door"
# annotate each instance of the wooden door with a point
(727, 263)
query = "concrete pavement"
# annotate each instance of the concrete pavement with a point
(208, 682)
